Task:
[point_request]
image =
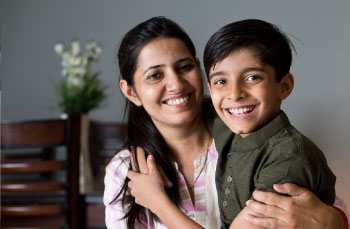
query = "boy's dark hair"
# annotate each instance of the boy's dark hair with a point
(271, 45)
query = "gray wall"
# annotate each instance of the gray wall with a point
(320, 30)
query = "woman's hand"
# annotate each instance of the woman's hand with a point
(302, 210)
(147, 188)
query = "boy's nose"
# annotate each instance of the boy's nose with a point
(236, 92)
(175, 82)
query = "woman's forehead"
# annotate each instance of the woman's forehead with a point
(163, 51)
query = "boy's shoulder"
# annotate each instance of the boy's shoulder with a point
(290, 142)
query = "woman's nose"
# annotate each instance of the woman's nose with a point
(175, 82)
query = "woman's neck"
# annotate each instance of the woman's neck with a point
(187, 141)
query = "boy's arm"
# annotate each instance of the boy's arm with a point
(308, 170)
(303, 165)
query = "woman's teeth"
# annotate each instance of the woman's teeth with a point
(240, 111)
(177, 101)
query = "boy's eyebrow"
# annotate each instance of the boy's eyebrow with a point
(253, 69)
(215, 74)
(242, 72)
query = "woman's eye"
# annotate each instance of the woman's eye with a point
(186, 68)
(154, 76)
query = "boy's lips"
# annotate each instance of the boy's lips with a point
(178, 100)
(240, 112)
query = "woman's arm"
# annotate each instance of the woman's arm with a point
(114, 179)
(301, 210)
(148, 190)
(115, 174)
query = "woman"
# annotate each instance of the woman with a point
(162, 82)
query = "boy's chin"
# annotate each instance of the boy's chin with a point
(242, 132)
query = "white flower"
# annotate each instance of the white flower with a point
(75, 48)
(64, 72)
(98, 50)
(74, 81)
(94, 48)
(81, 71)
(59, 47)
(75, 61)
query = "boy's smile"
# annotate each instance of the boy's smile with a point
(245, 92)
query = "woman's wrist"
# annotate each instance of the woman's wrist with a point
(162, 201)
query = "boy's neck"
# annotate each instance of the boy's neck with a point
(244, 135)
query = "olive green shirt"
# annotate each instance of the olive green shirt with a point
(275, 154)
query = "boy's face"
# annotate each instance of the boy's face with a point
(245, 92)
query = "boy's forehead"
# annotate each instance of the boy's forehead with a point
(239, 59)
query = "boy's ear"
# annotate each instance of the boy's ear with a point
(129, 92)
(286, 86)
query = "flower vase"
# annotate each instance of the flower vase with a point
(85, 174)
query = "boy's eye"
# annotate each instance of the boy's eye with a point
(219, 82)
(253, 78)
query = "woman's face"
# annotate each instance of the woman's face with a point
(168, 83)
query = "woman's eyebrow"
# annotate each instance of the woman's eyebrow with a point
(153, 67)
(183, 59)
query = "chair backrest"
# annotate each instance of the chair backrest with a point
(105, 139)
(32, 184)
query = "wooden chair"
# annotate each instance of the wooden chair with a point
(37, 189)
(105, 140)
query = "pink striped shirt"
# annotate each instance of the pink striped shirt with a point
(204, 211)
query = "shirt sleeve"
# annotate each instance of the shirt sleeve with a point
(114, 179)
(340, 205)
(298, 163)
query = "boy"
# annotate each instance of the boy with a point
(247, 64)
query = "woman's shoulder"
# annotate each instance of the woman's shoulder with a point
(119, 163)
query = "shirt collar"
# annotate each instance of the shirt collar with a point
(259, 137)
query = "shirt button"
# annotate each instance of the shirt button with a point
(191, 215)
(229, 179)
(227, 191)
(224, 203)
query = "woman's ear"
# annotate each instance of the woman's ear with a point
(198, 62)
(129, 92)
(286, 86)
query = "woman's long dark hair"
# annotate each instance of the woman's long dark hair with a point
(140, 129)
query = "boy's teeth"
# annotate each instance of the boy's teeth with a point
(240, 111)
(177, 101)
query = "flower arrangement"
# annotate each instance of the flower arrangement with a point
(79, 90)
